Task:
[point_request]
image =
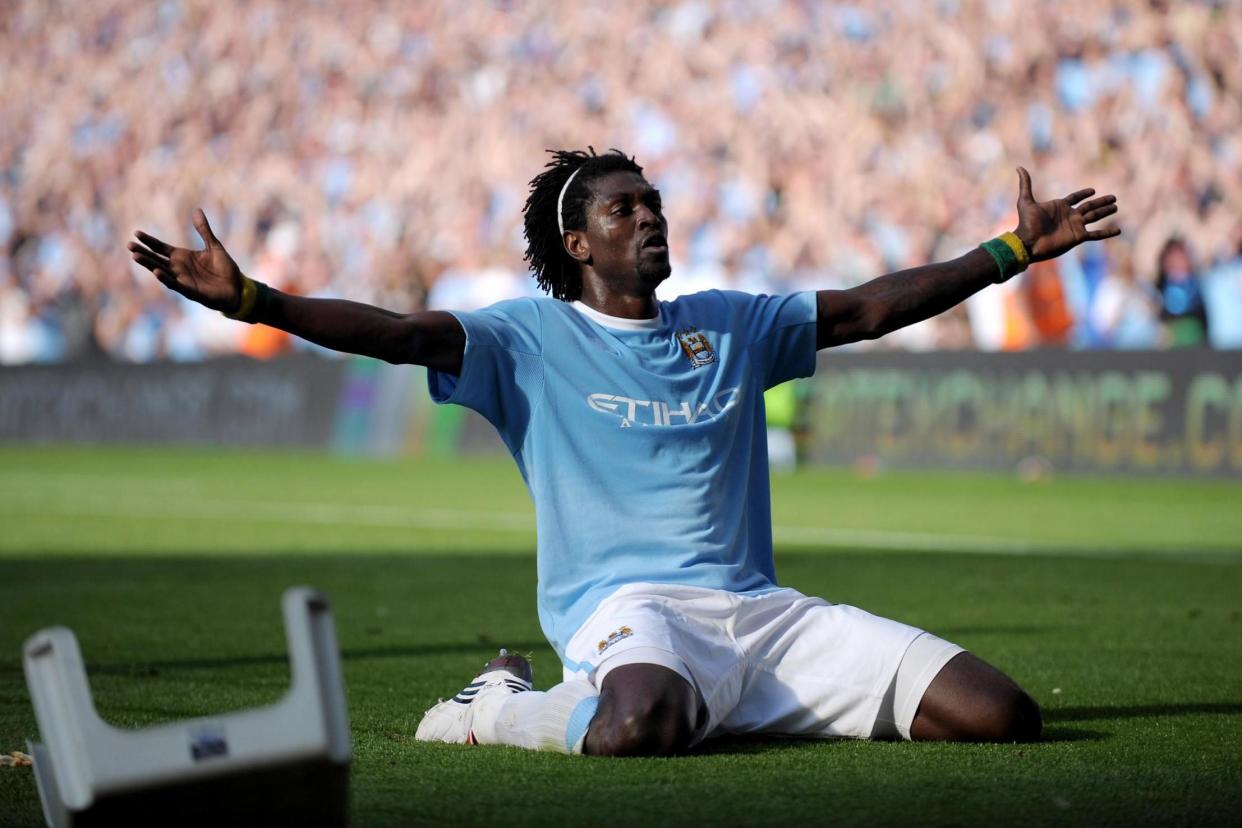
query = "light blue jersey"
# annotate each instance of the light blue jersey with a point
(642, 442)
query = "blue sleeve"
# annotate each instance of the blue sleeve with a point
(501, 369)
(780, 332)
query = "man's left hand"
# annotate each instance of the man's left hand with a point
(1049, 228)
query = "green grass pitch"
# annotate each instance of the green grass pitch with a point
(1116, 602)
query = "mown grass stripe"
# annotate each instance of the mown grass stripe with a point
(375, 516)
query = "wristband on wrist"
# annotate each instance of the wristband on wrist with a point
(1010, 255)
(253, 298)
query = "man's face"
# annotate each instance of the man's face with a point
(627, 231)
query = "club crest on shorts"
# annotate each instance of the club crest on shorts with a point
(696, 347)
(614, 637)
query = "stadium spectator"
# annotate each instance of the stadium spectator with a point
(1124, 310)
(1223, 294)
(1181, 296)
(799, 144)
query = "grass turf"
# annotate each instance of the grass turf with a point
(169, 564)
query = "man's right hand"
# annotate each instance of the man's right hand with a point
(435, 339)
(209, 277)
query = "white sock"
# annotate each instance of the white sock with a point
(556, 720)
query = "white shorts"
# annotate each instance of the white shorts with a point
(777, 663)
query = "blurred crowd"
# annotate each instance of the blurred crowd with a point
(380, 151)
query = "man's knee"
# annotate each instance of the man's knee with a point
(645, 730)
(972, 701)
(1009, 716)
(643, 719)
(1019, 719)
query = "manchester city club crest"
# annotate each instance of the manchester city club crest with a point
(696, 347)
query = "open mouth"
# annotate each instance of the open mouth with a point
(656, 242)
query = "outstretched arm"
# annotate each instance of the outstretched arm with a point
(211, 278)
(1047, 229)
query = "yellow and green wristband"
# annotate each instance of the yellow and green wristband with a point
(253, 301)
(1010, 255)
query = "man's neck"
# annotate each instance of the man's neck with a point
(621, 305)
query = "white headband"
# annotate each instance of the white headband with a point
(560, 201)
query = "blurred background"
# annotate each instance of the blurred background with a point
(380, 151)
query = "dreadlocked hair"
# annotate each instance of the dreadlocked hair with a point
(558, 273)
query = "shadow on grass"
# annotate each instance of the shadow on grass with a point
(1071, 734)
(754, 745)
(141, 669)
(1084, 714)
(153, 668)
(1054, 732)
(994, 629)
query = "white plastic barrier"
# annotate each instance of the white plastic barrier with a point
(285, 764)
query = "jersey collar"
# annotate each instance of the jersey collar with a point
(618, 322)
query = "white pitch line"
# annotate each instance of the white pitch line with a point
(919, 541)
(292, 513)
(369, 515)
(24, 478)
